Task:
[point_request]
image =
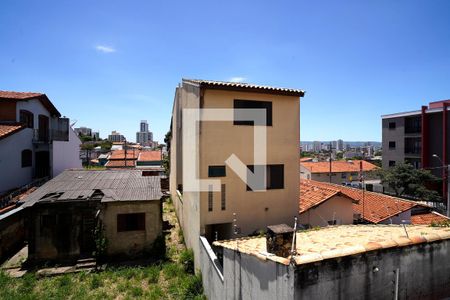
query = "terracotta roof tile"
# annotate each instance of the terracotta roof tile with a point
(150, 156)
(9, 129)
(377, 207)
(121, 163)
(120, 154)
(339, 241)
(338, 166)
(19, 96)
(312, 195)
(428, 218)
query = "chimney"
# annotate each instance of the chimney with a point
(279, 239)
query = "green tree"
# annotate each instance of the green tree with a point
(405, 180)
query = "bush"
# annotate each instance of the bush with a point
(187, 260)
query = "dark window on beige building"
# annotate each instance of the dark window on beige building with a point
(392, 125)
(216, 171)
(391, 145)
(222, 198)
(27, 118)
(131, 222)
(274, 177)
(27, 158)
(210, 198)
(249, 104)
(392, 163)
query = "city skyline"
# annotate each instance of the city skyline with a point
(107, 63)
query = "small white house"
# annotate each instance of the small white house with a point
(35, 141)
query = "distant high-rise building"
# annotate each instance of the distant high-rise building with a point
(317, 146)
(83, 131)
(144, 137)
(116, 137)
(339, 145)
(144, 126)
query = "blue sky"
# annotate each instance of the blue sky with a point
(109, 64)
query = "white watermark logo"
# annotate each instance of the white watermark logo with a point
(255, 178)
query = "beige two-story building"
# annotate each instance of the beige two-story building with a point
(236, 207)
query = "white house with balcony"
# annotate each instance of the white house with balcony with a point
(35, 141)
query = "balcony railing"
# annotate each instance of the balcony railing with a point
(47, 136)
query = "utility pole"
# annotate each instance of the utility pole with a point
(331, 150)
(361, 178)
(448, 191)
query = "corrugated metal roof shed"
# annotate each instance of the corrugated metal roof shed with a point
(117, 185)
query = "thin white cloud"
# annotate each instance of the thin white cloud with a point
(237, 79)
(105, 49)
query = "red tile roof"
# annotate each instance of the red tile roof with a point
(120, 154)
(121, 163)
(338, 166)
(9, 129)
(150, 156)
(19, 96)
(428, 218)
(377, 207)
(312, 194)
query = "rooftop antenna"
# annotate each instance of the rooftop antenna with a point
(294, 241)
(404, 227)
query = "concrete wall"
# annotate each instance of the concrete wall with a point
(131, 243)
(186, 203)
(337, 208)
(12, 233)
(244, 276)
(372, 275)
(12, 174)
(66, 155)
(422, 275)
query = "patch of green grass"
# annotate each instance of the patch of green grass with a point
(172, 270)
(136, 291)
(154, 293)
(187, 260)
(152, 274)
(96, 282)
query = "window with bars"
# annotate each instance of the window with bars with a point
(210, 199)
(223, 203)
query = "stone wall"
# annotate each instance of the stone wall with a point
(12, 233)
